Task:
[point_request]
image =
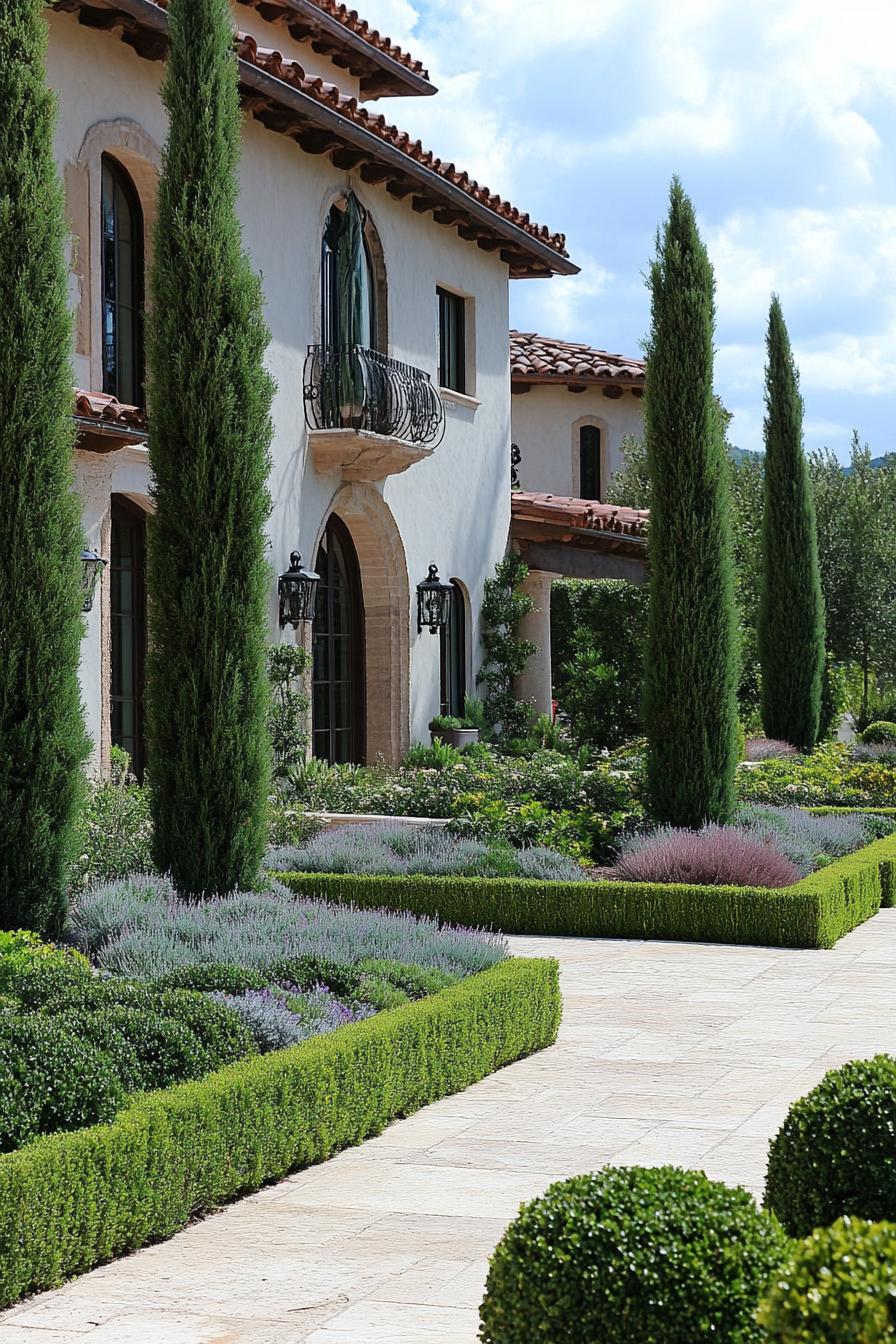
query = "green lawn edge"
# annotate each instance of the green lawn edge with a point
(69, 1202)
(814, 913)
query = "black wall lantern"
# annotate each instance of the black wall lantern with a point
(298, 593)
(433, 602)
(92, 566)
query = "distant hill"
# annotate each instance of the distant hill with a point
(888, 460)
(743, 454)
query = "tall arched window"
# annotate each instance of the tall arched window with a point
(349, 313)
(453, 664)
(338, 650)
(590, 482)
(123, 279)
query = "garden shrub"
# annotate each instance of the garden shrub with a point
(53, 981)
(287, 666)
(504, 605)
(816, 912)
(114, 833)
(416, 981)
(716, 856)
(22, 951)
(828, 776)
(809, 839)
(839, 1287)
(768, 749)
(73, 1201)
(147, 1050)
(835, 1152)
(277, 1020)
(304, 972)
(880, 733)
(209, 975)
(598, 628)
(379, 993)
(256, 930)
(633, 1256)
(221, 1033)
(50, 1080)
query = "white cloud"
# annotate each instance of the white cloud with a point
(562, 306)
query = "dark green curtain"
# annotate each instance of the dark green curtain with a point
(350, 267)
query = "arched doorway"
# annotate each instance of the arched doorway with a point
(338, 728)
(127, 610)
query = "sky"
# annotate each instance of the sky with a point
(778, 115)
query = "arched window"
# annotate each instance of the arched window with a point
(123, 267)
(590, 482)
(127, 577)
(453, 665)
(338, 650)
(349, 307)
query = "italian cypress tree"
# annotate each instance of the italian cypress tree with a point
(42, 737)
(210, 400)
(791, 632)
(690, 705)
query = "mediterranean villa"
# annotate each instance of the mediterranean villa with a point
(392, 431)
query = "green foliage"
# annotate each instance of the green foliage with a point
(76, 1200)
(212, 975)
(288, 666)
(598, 628)
(307, 971)
(207, 695)
(439, 756)
(42, 737)
(51, 1080)
(690, 707)
(857, 546)
(815, 912)
(834, 1154)
(22, 952)
(791, 609)
(114, 835)
(880, 731)
(146, 1049)
(503, 608)
(633, 1255)
(839, 1287)
(827, 776)
(630, 484)
(416, 981)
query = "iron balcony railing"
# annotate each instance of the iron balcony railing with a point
(351, 387)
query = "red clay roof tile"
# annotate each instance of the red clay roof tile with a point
(584, 514)
(540, 359)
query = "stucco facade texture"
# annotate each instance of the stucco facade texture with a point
(451, 509)
(546, 422)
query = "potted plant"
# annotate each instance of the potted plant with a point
(456, 732)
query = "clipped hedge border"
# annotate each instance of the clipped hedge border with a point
(69, 1202)
(815, 912)
(887, 872)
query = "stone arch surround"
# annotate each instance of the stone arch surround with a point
(387, 618)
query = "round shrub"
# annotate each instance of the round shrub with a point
(217, 976)
(716, 856)
(380, 993)
(21, 951)
(633, 1256)
(147, 1050)
(307, 971)
(881, 732)
(221, 1032)
(835, 1153)
(416, 981)
(839, 1287)
(53, 981)
(50, 1080)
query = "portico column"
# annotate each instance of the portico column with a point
(535, 683)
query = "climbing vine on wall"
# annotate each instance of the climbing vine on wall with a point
(506, 655)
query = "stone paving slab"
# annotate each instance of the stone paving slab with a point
(668, 1053)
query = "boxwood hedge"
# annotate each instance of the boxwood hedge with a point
(815, 912)
(70, 1201)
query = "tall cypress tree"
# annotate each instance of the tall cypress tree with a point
(42, 737)
(791, 608)
(210, 401)
(690, 705)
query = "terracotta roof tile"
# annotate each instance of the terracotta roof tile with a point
(291, 72)
(108, 410)
(584, 514)
(349, 19)
(535, 358)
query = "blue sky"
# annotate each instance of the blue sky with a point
(780, 118)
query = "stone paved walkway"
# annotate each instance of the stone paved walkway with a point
(668, 1053)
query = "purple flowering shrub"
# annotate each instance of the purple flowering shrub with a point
(715, 856)
(767, 749)
(138, 928)
(277, 1020)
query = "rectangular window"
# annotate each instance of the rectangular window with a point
(452, 341)
(589, 463)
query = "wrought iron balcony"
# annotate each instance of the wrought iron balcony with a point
(348, 387)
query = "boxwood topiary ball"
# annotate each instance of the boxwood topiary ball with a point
(835, 1153)
(839, 1287)
(880, 733)
(633, 1256)
(51, 1080)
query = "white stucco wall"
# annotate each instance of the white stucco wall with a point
(545, 426)
(452, 509)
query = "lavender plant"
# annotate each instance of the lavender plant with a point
(149, 933)
(277, 1022)
(401, 850)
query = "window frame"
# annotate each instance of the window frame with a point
(453, 654)
(453, 343)
(125, 190)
